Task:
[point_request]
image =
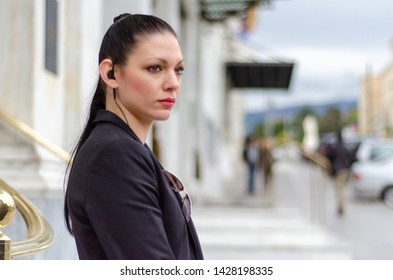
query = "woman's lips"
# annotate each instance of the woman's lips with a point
(167, 102)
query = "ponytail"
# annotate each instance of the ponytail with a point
(97, 103)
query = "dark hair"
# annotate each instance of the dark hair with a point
(118, 42)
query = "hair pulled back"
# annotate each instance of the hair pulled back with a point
(118, 42)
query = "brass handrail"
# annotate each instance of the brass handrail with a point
(40, 234)
(33, 135)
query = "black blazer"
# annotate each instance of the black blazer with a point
(121, 206)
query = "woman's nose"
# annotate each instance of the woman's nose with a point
(172, 81)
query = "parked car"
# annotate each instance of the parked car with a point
(374, 149)
(372, 172)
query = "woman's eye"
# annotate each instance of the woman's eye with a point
(179, 70)
(154, 68)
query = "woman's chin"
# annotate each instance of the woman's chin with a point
(163, 116)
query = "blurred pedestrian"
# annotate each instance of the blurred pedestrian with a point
(341, 158)
(251, 155)
(266, 166)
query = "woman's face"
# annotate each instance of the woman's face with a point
(150, 81)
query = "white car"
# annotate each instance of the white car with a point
(372, 173)
(374, 149)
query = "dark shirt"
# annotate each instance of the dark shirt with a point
(341, 156)
(121, 205)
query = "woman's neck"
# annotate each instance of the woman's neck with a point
(140, 128)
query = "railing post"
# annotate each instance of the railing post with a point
(5, 247)
(7, 210)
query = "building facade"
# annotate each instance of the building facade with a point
(375, 102)
(49, 71)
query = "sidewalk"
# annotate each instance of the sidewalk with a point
(242, 226)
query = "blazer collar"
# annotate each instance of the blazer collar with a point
(108, 116)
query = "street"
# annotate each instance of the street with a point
(364, 231)
(367, 224)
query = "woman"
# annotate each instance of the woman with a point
(120, 203)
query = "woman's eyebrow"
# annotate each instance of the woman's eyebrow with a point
(164, 60)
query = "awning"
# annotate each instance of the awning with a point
(259, 75)
(217, 10)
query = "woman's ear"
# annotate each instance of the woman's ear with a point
(107, 73)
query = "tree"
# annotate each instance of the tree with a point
(352, 116)
(331, 121)
(259, 130)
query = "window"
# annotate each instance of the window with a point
(51, 36)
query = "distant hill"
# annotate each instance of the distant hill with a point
(254, 118)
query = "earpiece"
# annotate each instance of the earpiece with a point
(110, 75)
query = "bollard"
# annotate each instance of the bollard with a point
(7, 211)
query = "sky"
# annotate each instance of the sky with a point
(332, 43)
